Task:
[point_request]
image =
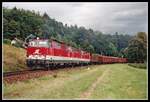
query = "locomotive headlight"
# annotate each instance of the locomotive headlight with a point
(30, 56)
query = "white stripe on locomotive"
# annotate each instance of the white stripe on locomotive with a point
(55, 58)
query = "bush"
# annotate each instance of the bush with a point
(138, 65)
(6, 41)
(18, 45)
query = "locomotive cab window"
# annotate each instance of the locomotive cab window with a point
(39, 43)
(43, 44)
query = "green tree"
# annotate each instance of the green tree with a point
(22, 23)
(137, 48)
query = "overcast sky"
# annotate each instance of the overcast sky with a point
(109, 17)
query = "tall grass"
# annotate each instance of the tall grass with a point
(13, 58)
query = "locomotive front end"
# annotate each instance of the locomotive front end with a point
(36, 53)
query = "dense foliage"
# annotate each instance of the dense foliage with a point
(21, 23)
(137, 48)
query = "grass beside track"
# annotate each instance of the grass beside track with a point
(113, 81)
(123, 82)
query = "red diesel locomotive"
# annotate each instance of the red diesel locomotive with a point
(50, 53)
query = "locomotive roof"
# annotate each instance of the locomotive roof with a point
(54, 39)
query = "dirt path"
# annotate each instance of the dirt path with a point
(87, 93)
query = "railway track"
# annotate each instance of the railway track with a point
(6, 74)
(11, 77)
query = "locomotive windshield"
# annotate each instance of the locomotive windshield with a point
(39, 43)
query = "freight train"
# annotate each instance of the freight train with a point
(49, 53)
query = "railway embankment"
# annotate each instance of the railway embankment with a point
(13, 58)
